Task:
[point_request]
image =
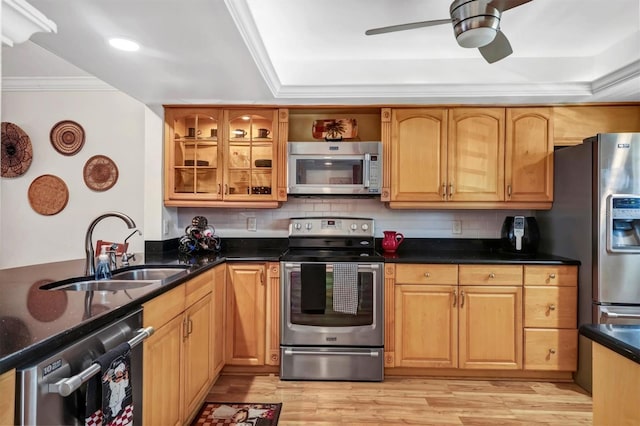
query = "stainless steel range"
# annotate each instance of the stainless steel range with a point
(331, 325)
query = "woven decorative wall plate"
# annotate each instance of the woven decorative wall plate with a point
(67, 137)
(48, 195)
(17, 151)
(100, 173)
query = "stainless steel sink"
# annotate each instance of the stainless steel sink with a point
(150, 273)
(104, 285)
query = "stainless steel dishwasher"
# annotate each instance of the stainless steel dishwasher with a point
(52, 391)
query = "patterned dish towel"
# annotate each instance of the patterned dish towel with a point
(345, 288)
(109, 399)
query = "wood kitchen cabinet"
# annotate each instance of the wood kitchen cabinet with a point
(217, 157)
(245, 334)
(8, 392)
(550, 317)
(177, 356)
(443, 324)
(574, 123)
(440, 155)
(461, 158)
(529, 155)
(218, 321)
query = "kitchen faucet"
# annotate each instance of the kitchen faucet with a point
(90, 263)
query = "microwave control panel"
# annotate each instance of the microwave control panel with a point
(374, 173)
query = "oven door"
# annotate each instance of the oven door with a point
(323, 319)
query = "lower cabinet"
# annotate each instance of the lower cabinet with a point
(245, 334)
(218, 303)
(177, 356)
(458, 316)
(8, 392)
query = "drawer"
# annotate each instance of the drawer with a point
(552, 275)
(163, 308)
(553, 307)
(490, 275)
(427, 274)
(198, 287)
(550, 349)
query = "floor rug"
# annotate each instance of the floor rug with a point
(238, 413)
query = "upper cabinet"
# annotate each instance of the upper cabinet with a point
(470, 158)
(574, 123)
(221, 157)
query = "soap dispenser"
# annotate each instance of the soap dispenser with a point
(103, 268)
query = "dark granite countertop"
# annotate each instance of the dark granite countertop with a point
(622, 339)
(34, 321)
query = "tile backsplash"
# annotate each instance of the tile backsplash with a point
(234, 223)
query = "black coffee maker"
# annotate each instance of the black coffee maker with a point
(520, 235)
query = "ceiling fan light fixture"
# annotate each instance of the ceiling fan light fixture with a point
(476, 37)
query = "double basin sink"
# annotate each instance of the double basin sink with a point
(131, 277)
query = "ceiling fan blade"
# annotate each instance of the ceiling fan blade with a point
(503, 5)
(410, 26)
(498, 49)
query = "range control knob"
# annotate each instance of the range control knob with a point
(309, 225)
(296, 225)
(354, 226)
(365, 226)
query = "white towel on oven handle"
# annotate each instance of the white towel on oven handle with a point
(345, 288)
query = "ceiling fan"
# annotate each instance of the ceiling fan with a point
(476, 23)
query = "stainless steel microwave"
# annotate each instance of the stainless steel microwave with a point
(334, 168)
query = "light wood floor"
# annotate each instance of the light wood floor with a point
(417, 401)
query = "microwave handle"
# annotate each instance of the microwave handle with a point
(366, 178)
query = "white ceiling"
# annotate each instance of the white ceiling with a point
(304, 52)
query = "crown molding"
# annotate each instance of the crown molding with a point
(20, 21)
(617, 77)
(55, 84)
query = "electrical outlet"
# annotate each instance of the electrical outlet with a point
(165, 227)
(456, 228)
(252, 224)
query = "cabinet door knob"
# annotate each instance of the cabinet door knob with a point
(552, 307)
(426, 274)
(492, 275)
(552, 276)
(552, 351)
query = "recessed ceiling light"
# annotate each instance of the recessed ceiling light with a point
(124, 44)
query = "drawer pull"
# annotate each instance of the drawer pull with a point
(552, 307)
(552, 276)
(552, 351)
(492, 275)
(426, 274)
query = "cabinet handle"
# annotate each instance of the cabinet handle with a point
(492, 275)
(509, 191)
(189, 326)
(455, 298)
(426, 274)
(185, 328)
(219, 188)
(444, 190)
(450, 190)
(552, 276)
(552, 307)
(462, 299)
(226, 188)
(261, 277)
(552, 351)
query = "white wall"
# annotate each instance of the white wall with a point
(232, 223)
(114, 125)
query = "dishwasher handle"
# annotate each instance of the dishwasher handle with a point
(67, 386)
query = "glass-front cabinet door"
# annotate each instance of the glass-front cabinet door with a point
(194, 167)
(250, 154)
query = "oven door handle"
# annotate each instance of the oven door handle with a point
(67, 386)
(365, 266)
(620, 316)
(371, 354)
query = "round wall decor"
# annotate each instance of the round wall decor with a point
(17, 151)
(67, 137)
(48, 195)
(100, 173)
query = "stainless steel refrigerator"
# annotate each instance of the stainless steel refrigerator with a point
(595, 218)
